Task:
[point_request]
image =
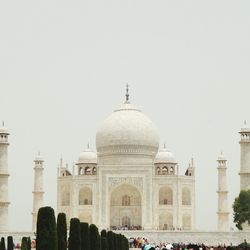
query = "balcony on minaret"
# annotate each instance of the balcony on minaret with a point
(245, 133)
(245, 136)
(4, 136)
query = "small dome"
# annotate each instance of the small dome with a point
(127, 130)
(38, 158)
(245, 127)
(3, 130)
(221, 157)
(165, 156)
(87, 156)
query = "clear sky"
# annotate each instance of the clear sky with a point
(63, 70)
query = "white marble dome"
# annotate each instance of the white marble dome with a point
(127, 130)
(87, 156)
(165, 156)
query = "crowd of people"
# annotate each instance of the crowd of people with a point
(144, 244)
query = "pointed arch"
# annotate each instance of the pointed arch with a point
(186, 221)
(85, 196)
(166, 221)
(186, 196)
(165, 196)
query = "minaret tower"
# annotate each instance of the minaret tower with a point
(223, 222)
(4, 175)
(38, 189)
(244, 158)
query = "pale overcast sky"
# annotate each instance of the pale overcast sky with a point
(63, 70)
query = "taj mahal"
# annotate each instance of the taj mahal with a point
(130, 183)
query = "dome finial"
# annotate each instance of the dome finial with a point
(3, 123)
(88, 145)
(127, 94)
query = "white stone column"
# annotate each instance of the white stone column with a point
(223, 222)
(245, 158)
(4, 175)
(38, 190)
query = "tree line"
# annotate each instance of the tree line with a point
(82, 236)
(52, 235)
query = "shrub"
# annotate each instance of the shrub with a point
(104, 233)
(10, 243)
(104, 243)
(61, 231)
(94, 238)
(24, 243)
(84, 236)
(46, 237)
(110, 240)
(28, 243)
(2, 244)
(75, 234)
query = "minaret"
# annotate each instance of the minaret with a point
(245, 158)
(38, 189)
(4, 175)
(223, 222)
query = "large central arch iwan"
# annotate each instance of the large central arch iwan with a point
(125, 207)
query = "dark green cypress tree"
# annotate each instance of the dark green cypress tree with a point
(61, 231)
(74, 235)
(24, 243)
(94, 238)
(84, 236)
(104, 233)
(126, 243)
(46, 233)
(115, 241)
(28, 243)
(2, 244)
(120, 241)
(104, 243)
(10, 243)
(110, 240)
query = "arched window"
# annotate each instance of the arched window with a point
(158, 170)
(87, 171)
(186, 196)
(94, 170)
(171, 171)
(166, 196)
(186, 222)
(81, 171)
(125, 200)
(65, 198)
(165, 170)
(85, 196)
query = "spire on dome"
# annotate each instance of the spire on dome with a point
(3, 123)
(127, 94)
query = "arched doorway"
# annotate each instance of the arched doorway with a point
(186, 222)
(125, 207)
(166, 221)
